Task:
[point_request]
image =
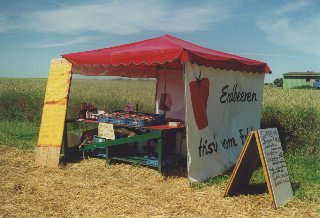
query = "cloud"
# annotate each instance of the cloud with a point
(292, 6)
(4, 23)
(126, 17)
(57, 3)
(51, 44)
(295, 30)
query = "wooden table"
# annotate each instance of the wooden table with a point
(156, 132)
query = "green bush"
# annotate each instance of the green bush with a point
(278, 82)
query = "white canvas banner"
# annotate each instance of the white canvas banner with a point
(222, 107)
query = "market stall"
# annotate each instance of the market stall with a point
(217, 97)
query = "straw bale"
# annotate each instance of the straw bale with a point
(91, 188)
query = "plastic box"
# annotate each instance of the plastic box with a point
(151, 160)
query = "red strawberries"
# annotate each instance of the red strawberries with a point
(199, 91)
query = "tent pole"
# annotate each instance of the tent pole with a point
(156, 94)
(66, 152)
(185, 112)
(165, 86)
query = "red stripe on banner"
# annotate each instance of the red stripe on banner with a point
(62, 102)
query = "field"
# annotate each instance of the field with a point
(91, 189)
(296, 114)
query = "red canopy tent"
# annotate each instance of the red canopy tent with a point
(141, 59)
(217, 108)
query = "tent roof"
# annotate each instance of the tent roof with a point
(161, 50)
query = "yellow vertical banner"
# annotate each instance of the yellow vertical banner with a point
(54, 114)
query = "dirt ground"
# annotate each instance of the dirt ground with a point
(92, 189)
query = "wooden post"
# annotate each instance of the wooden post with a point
(52, 128)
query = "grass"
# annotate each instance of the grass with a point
(296, 114)
(218, 180)
(21, 99)
(23, 135)
(304, 172)
(107, 95)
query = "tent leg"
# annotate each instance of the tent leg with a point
(65, 141)
(160, 155)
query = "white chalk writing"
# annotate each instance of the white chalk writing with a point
(274, 156)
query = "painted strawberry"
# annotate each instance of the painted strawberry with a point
(199, 90)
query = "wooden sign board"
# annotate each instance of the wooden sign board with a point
(262, 146)
(54, 114)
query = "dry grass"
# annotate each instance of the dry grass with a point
(91, 189)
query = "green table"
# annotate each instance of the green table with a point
(157, 133)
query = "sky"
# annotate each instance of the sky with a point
(284, 34)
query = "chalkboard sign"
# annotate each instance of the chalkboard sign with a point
(263, 146)
(275, 165)
(54, 113)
